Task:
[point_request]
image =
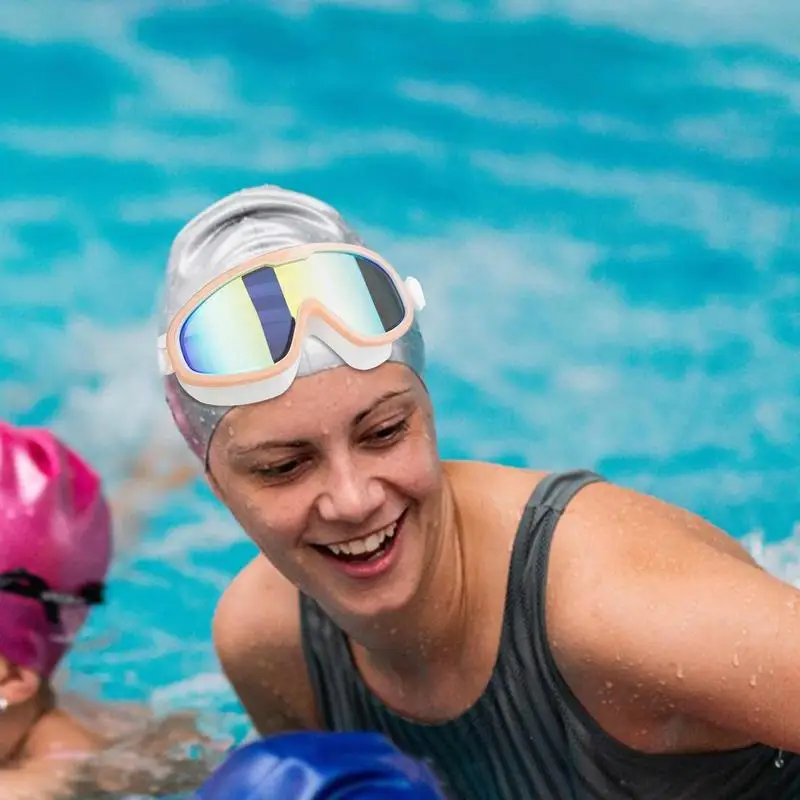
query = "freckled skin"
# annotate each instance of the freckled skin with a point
(657, 620)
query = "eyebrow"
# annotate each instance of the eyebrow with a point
(242, 451)
(379, 402)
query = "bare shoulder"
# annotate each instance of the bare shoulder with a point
(485, 485)
(256, 632)
(61, 736)
(606, 522)
(636, 586)
(259, 609)
(483, 472)
(608, 530)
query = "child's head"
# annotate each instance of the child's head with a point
(55, 548)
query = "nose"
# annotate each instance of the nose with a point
(350, 495)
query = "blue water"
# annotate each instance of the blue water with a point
(600, 198)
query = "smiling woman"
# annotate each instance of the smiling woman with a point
(278, 463)
(336, 502)
(462, 608)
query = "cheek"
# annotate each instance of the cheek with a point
(420, 469)
(272, 519)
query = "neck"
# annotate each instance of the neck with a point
(431, 630)
(17, 723)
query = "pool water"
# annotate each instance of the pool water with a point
(600, 199)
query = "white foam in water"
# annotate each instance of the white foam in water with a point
(690, 22)
(192, 692)
(781, 558)
(728, 218)
(120, 363)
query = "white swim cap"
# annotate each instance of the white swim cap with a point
(238, 227)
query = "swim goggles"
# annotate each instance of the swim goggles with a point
(26, 584)
(238, 340)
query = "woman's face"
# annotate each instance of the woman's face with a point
(338, 482)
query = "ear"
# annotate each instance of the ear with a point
(19, 684)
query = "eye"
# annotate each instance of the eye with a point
(282, 471)
(389, 433)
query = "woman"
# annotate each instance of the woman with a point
(535, 635)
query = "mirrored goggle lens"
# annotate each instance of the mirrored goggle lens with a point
(247, 324)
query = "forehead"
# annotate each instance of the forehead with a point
(316, 403)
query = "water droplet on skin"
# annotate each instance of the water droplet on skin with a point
(735, 660)
(609, 684)
(679, 673)
(752, 681)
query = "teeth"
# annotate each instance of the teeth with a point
(369, 544)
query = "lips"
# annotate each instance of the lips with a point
(368, 548)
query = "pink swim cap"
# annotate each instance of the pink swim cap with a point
(55, 525)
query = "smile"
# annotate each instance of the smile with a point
(367, 546)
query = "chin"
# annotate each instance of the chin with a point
(381, 586)
(382, 603)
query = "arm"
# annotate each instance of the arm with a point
(676, 617)
(40, 779)
(56, 751)
(256, 633)
(146, 755)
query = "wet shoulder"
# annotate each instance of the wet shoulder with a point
(493, 490)
(624, 524)
(259, 606)
(257, 637)
(60, 733)
(608, 530)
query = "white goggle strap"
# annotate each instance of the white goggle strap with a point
(417, 295)
(164, 364)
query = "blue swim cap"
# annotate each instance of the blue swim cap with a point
(321, 766)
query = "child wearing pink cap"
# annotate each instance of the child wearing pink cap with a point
(55, 551)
